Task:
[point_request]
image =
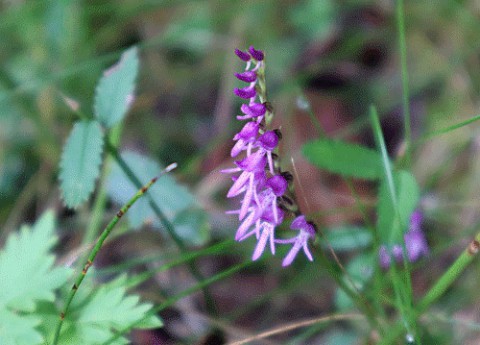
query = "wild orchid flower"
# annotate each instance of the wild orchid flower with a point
(257, 178)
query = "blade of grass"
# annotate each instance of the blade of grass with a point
(402, 288)
(387, 167)
(450, 128)
(400, 16)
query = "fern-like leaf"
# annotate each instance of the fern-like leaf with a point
(115, 90)
(80, 163)
(27, 277)
(346, 159)
(98, 312)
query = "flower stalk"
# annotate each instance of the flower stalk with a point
(93, 254)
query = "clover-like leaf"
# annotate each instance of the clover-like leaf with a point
(343, 158)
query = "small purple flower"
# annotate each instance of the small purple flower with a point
(415, 244)
(245, 138)
(247, 76)
(416, 220)
(256, 54)
(242, 55)
(278, 185)
(246, 92)
(306, 231)
(384, 257)
(249, 171)
(252, 110)
(266, 201)
(265, 231)
(267, 142)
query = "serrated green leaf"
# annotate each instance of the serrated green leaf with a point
(100, 311)
(19, 330)
(348, 237)
(171, 197)
(28, 276)
(115, 91)
(80, 163)
(349, 160)
(390, 228)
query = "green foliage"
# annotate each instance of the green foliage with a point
(192, 221)
(315, 19)
(28, 276)
(346, 159)
(191, 33)
(340, 337)
(166, 192)
(80, 163)
(348, 237)
(97, 313)
(28, 313)
(115, 90)
(392, 223)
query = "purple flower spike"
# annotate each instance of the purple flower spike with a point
(256, 54)
(246, 92)
(257, 178)
(247, 76)
(242, 55)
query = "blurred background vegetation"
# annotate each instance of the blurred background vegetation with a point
(338, 57)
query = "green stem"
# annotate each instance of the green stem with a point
(100, 202)
(405, 91)
(210, 304)
(91, 257)
(402, 288)
(387, 167)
